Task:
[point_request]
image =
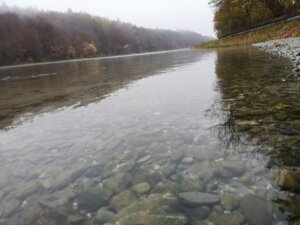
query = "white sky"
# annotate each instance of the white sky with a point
(195, 15)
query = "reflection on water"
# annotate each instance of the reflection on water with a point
(29, 89)
(187, 137)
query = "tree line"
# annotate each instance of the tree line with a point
(29, 35)
(237, 15)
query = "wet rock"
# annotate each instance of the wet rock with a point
(247, 178)
(68, 192)
(235, 167)
(108, 170)
(245, 125)
(144, 159)
(295, 113)
(235, 218)
(148, 176)
(5, 176)
(168, 170)
(52, 216)
(225, 173)
(140, 140)
(195, 199)
(28, 215)
(141, 188)
(58, 198)
(247, 113)
(92, 222)
(296, 222)
(125, 167)
(189, 185)
(205, 171)
(10, 207)
(24, 191)
(199, 213)
(288, 179)
(68, 176)
(176, 156)
(176, 177)
(255, 130)
(290, 206)
(154, 209)
(281, 116)
(146, 218)
(118, 182)
(256, 210)
(296, 125)
(75, 220)
(52, 201)
(104, 216)
(289, 132)
(187, 160)
(122, 200)
(165, 187)
(187, 138)
(229, 202)
(95, 171)
(159, 204)
(93, 199)
(113, 143)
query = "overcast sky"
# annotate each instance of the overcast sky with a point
(195, 15)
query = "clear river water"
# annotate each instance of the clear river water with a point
(187, 137)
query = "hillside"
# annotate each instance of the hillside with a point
(28, 35)
(242, 22)
(278, 31)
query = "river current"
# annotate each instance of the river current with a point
(187, 137)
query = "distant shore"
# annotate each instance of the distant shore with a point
(91, 58)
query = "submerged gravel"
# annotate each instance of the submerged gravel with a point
(289, 47)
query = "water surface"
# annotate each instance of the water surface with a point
(180, 137)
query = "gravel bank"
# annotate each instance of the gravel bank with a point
(289, 47)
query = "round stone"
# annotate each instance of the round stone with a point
(141, 188)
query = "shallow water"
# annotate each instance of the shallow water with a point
(180, 137)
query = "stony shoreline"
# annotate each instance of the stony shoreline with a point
(289, 47)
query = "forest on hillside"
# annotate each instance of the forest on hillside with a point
(29, 35)
(237, 15)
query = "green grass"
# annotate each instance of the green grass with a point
(282, 30)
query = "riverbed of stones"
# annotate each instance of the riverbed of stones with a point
(163, 174)
(289, 47)
(148, 183)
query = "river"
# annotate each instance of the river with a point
(188, 137)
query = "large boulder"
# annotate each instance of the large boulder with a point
(256, 210)
(104, 216)
(288, 179)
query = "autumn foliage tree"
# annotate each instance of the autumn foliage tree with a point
(237, 15)
(29, 35)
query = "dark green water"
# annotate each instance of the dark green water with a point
(174, 138)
